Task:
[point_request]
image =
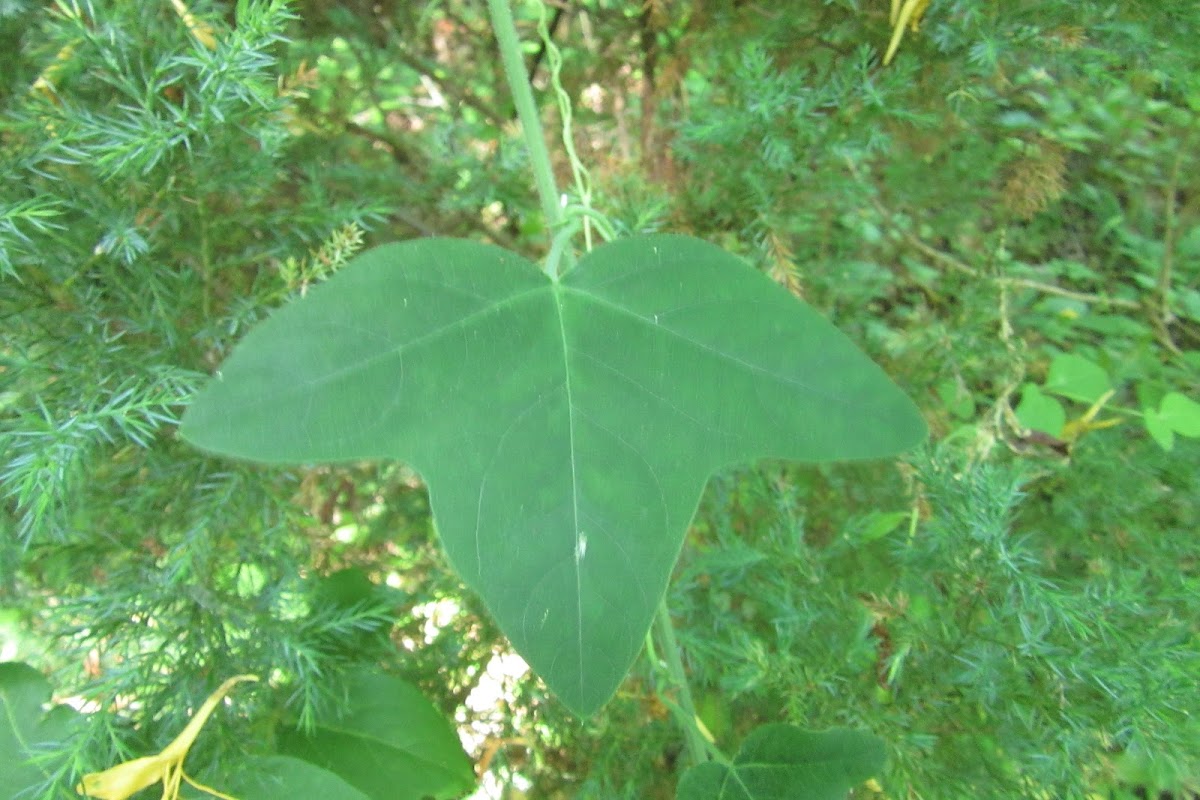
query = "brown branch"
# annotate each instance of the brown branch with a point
(406, 157)
(1170, 228)
(429, 69)
(945, 258)
(402, 154)
(1083, 297)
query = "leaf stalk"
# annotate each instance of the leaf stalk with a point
(696, 746)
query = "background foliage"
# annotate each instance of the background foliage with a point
(1012, 610)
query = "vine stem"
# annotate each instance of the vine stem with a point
(696, 746)
(531, 124)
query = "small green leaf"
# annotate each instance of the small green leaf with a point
(1018, 119)
(393, 744)
(783, 762)
(1038, 412)
(878, 524)
(345, 588)
(956, 400)
(27, 729)
(1077, 378)
(1115, 325)
(1189, 302)
(1158, 428)
(1181, 414)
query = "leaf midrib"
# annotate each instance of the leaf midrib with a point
(556, 290)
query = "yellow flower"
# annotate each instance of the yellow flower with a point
(201, 30)
(130, 777)
(1076, 428)
(909, 14)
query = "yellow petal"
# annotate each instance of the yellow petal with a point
(45, 82)
(177, 749)
(201, 30)
(910, 14)
(123, 780)
(1076, 428)
(130, 777)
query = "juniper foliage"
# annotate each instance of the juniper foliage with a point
(1020, 182)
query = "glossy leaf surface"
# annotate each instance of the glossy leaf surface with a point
(28, 730)
(565, 429)
(274, 777)
(393, 745)
(782, 762)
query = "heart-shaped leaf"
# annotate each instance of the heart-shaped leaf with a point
(1077, 378)
(565, 428)
(783, 762)
(393, 745)
(1181, 413)
(1040, 412)
(1159, 429)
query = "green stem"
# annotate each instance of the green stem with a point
(559, 246)
(697, 747)
(531, 124)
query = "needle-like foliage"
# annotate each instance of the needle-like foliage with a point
(1004, 216)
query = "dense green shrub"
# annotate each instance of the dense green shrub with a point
(1013, 610)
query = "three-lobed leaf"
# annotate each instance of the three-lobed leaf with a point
(565, 428)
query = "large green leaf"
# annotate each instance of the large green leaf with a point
(393, 744)
(565, 429)
(27, 729)
(274, 777)
(782, 762)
